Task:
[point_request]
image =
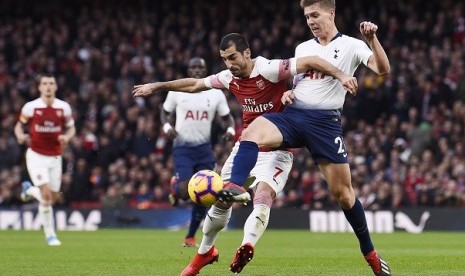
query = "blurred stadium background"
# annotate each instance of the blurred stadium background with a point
(405, 132)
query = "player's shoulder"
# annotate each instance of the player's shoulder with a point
(60, 103)
(216, 91)
(349, 40)
(307, 43)
(36, 103)
(263, 64)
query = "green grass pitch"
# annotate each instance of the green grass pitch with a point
(279, 252)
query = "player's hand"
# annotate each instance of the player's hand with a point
(63, 140)
(169, 131)
(368, 29)
(144, 90)
(172, 133)
(228, 136)
(23, 139)
(350, 84)
(288, 97)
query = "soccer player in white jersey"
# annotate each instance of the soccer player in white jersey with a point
(192, 151)
(258, 85)
(314, 118)
(47, 125)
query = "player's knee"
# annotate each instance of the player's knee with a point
(46, 194)
(345, 199)
(250, 134)
(264, 197)
(182, 190)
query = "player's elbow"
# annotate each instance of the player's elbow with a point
(384, 70)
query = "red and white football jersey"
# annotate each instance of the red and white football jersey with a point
(261, 92)
(46, 123)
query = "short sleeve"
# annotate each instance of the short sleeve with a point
(170, 103)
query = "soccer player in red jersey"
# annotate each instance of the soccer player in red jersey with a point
(46, 125)
(258, 85)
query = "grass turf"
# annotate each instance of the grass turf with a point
(279, 252)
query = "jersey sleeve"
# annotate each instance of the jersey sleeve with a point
(219, 81)
(170, 102)
(68, 113)
(362, 51)
(276, 70)
(26, 113)
(223, 108)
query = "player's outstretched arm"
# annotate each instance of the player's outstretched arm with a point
(188, 85)
(304, 63)
(378, 62)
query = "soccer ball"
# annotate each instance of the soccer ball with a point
(204, 187)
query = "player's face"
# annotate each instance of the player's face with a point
(235, 61)
(48, 86)
(320, 19)
(197, 69)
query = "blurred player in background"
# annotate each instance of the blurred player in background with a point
(46, 125)
(193, 115)
(314, 118)
(258, 85)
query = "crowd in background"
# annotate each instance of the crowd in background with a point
(405, 132)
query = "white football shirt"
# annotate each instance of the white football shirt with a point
(195, 113)
(314, 90)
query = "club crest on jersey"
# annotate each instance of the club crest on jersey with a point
(336, 51)
(260, 84)
(59, 113)
(39, 112)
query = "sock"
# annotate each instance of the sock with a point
(256, 224)
(48, 222)
(356, 217)
(35, 193)
(215, 221)
(198, 214)
(244, 161)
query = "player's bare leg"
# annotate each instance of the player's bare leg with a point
(339, 180)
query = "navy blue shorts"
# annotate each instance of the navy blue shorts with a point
(189, 160)
(320, 131)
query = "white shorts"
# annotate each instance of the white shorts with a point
(44, 169)
(272, 167)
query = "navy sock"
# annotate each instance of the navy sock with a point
(244, 161)
(198, 214)
(356, 217)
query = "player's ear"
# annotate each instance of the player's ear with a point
(247, 53)
(332, 13)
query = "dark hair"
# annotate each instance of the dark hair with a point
(39, 77)
(236, 39)
(325, 3)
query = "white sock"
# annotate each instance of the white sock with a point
(48, 222)
(214, 222)
(34, 192)
(256, 224)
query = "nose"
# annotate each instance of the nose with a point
(228, 64)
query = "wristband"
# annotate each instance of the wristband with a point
(167, 127)
(231, 131)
